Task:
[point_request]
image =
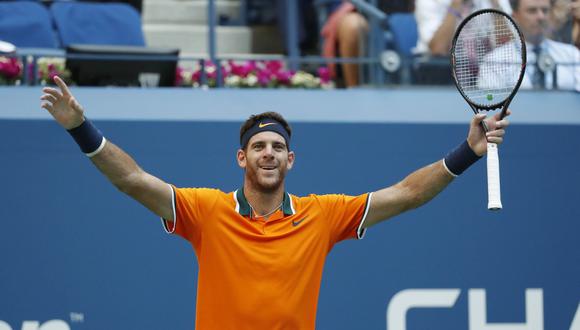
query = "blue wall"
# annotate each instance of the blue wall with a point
(71, 243)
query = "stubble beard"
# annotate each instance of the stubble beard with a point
(265, 184)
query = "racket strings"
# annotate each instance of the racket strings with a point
(488, 58)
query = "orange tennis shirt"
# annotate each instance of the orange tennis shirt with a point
(257, 274)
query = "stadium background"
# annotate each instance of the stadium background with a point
(74, 249)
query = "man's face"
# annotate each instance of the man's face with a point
(266, 160)
(532, 18)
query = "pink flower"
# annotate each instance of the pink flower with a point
(196, 76)
(324, 74)
(11, 68)
(283, 77)
(212, 74)
(178, 77)
(225, 73)
(236, 70)
(274, 66)
(250, 66)
(264, 77)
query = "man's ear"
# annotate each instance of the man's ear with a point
(241, 158)
(291, 158)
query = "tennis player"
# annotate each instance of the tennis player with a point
(260, 249)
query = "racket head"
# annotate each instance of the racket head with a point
(488, 43)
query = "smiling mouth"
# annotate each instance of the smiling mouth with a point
(268, 168)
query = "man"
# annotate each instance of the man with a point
(260, 249)
(551, 64)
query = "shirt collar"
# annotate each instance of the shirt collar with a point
(244, 209)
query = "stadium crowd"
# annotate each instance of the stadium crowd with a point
(341, 29)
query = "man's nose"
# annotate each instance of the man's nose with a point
(268, 151)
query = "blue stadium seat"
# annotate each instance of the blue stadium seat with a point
(26, 24)
(401, 36)
(115, 24)
(403, 29)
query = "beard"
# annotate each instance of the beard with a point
(265, 182)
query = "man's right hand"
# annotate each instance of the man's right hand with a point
(62, 105)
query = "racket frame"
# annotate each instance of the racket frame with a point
(494, 191)
(505, 103)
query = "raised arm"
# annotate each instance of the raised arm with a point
(114, 163)
(440, 43)
(424, 184)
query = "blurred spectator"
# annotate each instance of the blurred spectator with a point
(551, 64)
(565, 21)
(438, 19)
(345, 32)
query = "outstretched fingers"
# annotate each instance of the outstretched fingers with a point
(47, 106)
(49, 97)
(52, 91)
(63, 87)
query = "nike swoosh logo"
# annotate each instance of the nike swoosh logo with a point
(264, 125)
(296, 223)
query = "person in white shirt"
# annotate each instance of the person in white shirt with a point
(550, 64)
(438, 19)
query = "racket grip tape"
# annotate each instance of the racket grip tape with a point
(493, 182)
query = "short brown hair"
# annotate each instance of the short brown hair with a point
(259, 117)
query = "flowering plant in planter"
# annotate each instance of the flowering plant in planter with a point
(48, 67)
(10, 70)
(254, 74)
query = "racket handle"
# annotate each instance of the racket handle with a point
(493, 185)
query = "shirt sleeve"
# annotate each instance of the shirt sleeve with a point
(189, 207)
(345, 215)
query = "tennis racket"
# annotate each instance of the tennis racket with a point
(488, 61)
